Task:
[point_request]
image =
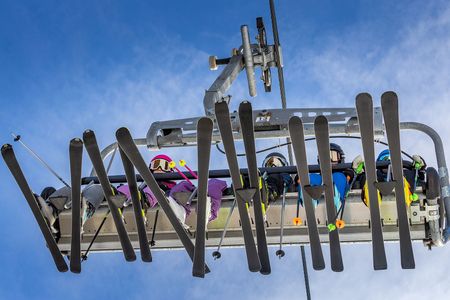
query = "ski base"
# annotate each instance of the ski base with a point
(389, 106)
(11, 161)
(296, 132)
(364, 109)
(204, 137)
(246, 120)
(323, 147)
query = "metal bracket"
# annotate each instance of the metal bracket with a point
(424, 212)
(269, 123)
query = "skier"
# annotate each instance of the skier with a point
(52, 202)
(176, 192)
(410, 179)
(342, 179)
(276, 183)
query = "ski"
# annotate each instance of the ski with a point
(364, 109)
(204, 137)
(128, 167)
(248, 135)
(224, 123)
(13, 166)
(128, 146)
(76, 156)
(389, 106)
(90, 143)
(298, 144)
(323, 147)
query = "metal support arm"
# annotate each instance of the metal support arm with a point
(222, 83)
(442, 166)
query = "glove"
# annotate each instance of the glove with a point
(287, 179)
(418, 162)
(358, 164)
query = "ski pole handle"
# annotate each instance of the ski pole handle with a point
(182, 163)
(173, 165)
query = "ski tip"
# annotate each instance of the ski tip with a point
(130, 257)
(337, 268)
(88, 134)
(295, 121)
(147, 259)
(380, 267)
(319, 266)
(75, 269)
(204, 122)
(407, 261)
(76, 142)
(409, 266)
(321, 120)
(265, 272)
(146, 255)
(245, 105)
(363, 98)
(62, 267)
(122, 131)
(255, 268)
(221, 106)
(389, 97)
(6, 148)
(198, 274)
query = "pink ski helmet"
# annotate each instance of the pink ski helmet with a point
(161, 162)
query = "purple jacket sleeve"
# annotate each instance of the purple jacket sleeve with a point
(182, 186)
(150, 197)
(215, 190)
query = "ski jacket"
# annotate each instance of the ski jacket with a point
(215, 191)
(178, 192)
(149, 197)
(340, 185)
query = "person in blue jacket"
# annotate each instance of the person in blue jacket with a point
(341, 179)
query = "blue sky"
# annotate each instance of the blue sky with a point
(69, 66)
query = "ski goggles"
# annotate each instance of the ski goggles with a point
(161, 164)
(274, 162)
(335, 156)
(385, 157)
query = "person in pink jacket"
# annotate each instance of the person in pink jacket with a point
(162, 164)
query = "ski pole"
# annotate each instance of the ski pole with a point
(339, 223)
(85, 255)
(193, 194)
(280, 252)
(388, 176)
(17, 139)
(173, 165)
(216, 254)
(297, 220)
(182, 163)
(152, 242)
(414, 196)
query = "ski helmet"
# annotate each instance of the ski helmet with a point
(384, 155)
(275, 159)
(46, 192)
(161, 162)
